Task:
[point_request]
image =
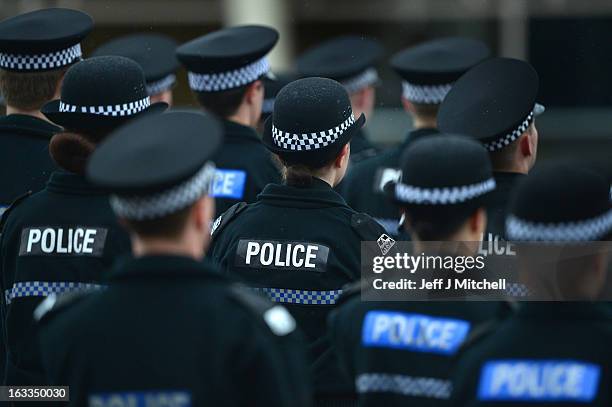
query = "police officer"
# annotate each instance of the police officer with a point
(300, 242)
(225, 71)
(550, 352)
(271, 88)
(400, 352)
(35, 50)
(156, 55)
(495, 103)
(169, 329)
(350, 60)
(428, 71)
(64, 237)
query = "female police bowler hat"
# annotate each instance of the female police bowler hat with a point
(311, 122)
(101, 93)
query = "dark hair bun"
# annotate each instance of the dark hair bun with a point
(71, 151)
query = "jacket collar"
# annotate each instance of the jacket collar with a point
(318, 195)
(416, 134)
(65, 182)
(28, 126)
(565, 311)
(506, 177)
(235, 130)
(152, 267)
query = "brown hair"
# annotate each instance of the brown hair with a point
(170, 226)
(428, 111)
(298, 175)
(222, 104)
(71, 149)
(29, 90)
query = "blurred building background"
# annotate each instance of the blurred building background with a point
(568, 41)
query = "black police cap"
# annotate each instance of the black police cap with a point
(155, 53)
(311, 122)
(43, 40)
(561, 202)
(443, 170)
(349, 60)
(428, 70)
(494, 102)
(228, 58)
(101, 93)
(158, 164)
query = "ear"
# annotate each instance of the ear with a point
(358, 98)
(342, 155)
(252, 91)
(202, 212)
(525, 145)
(408, 106)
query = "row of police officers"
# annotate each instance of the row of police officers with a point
(152, 257)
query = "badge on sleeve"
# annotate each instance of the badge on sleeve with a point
(229, 184)
(535, 381)
(414, 332)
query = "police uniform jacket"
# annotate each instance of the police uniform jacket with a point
(60, 239)
(363, 186)
(24, 154)
(170, 330)
(547, 354)
(244, 167)
(401, 353)
(497, 209)
(300, 246)
(361, 147)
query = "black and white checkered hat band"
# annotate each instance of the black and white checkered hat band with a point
(167, 202)
(162, 85)
(425, 94)
(442, 196)
(578, 231)
(510, 137)
(125, 109)
(40, 62)
(228, 80)
(310, 141)
(360, 81)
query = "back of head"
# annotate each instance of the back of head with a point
(311, 123)
(494, 103)
(430, 69)
(558, 216)
(155, 202)
(155, 53)
(98, 95)
(36, 48)
(445, 179)
(222, 64)
(348, 59)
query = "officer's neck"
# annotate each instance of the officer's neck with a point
(35, 113)
(191, 248)
(516, 166)
(421, 122)
(244, 116)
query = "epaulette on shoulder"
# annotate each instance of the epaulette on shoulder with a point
(55, 304)
(226, 217)
(366, 227)
(275, 316)
(12, 206)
